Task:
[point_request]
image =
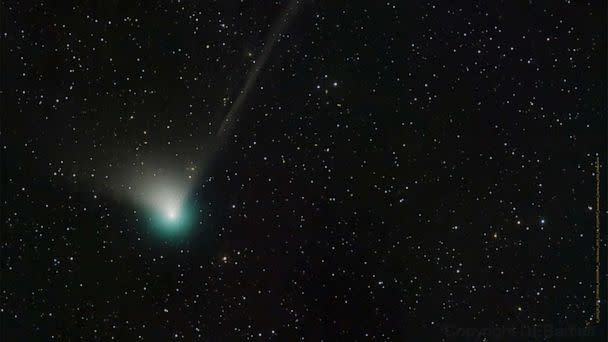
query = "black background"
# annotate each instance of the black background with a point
(404, 201)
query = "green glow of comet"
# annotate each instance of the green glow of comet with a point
(174, 221)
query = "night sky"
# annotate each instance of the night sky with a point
(302, 170)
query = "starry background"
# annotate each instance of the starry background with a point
(398, 168)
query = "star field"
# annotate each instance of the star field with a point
(391, 171)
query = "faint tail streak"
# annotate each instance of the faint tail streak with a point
(278, 27)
